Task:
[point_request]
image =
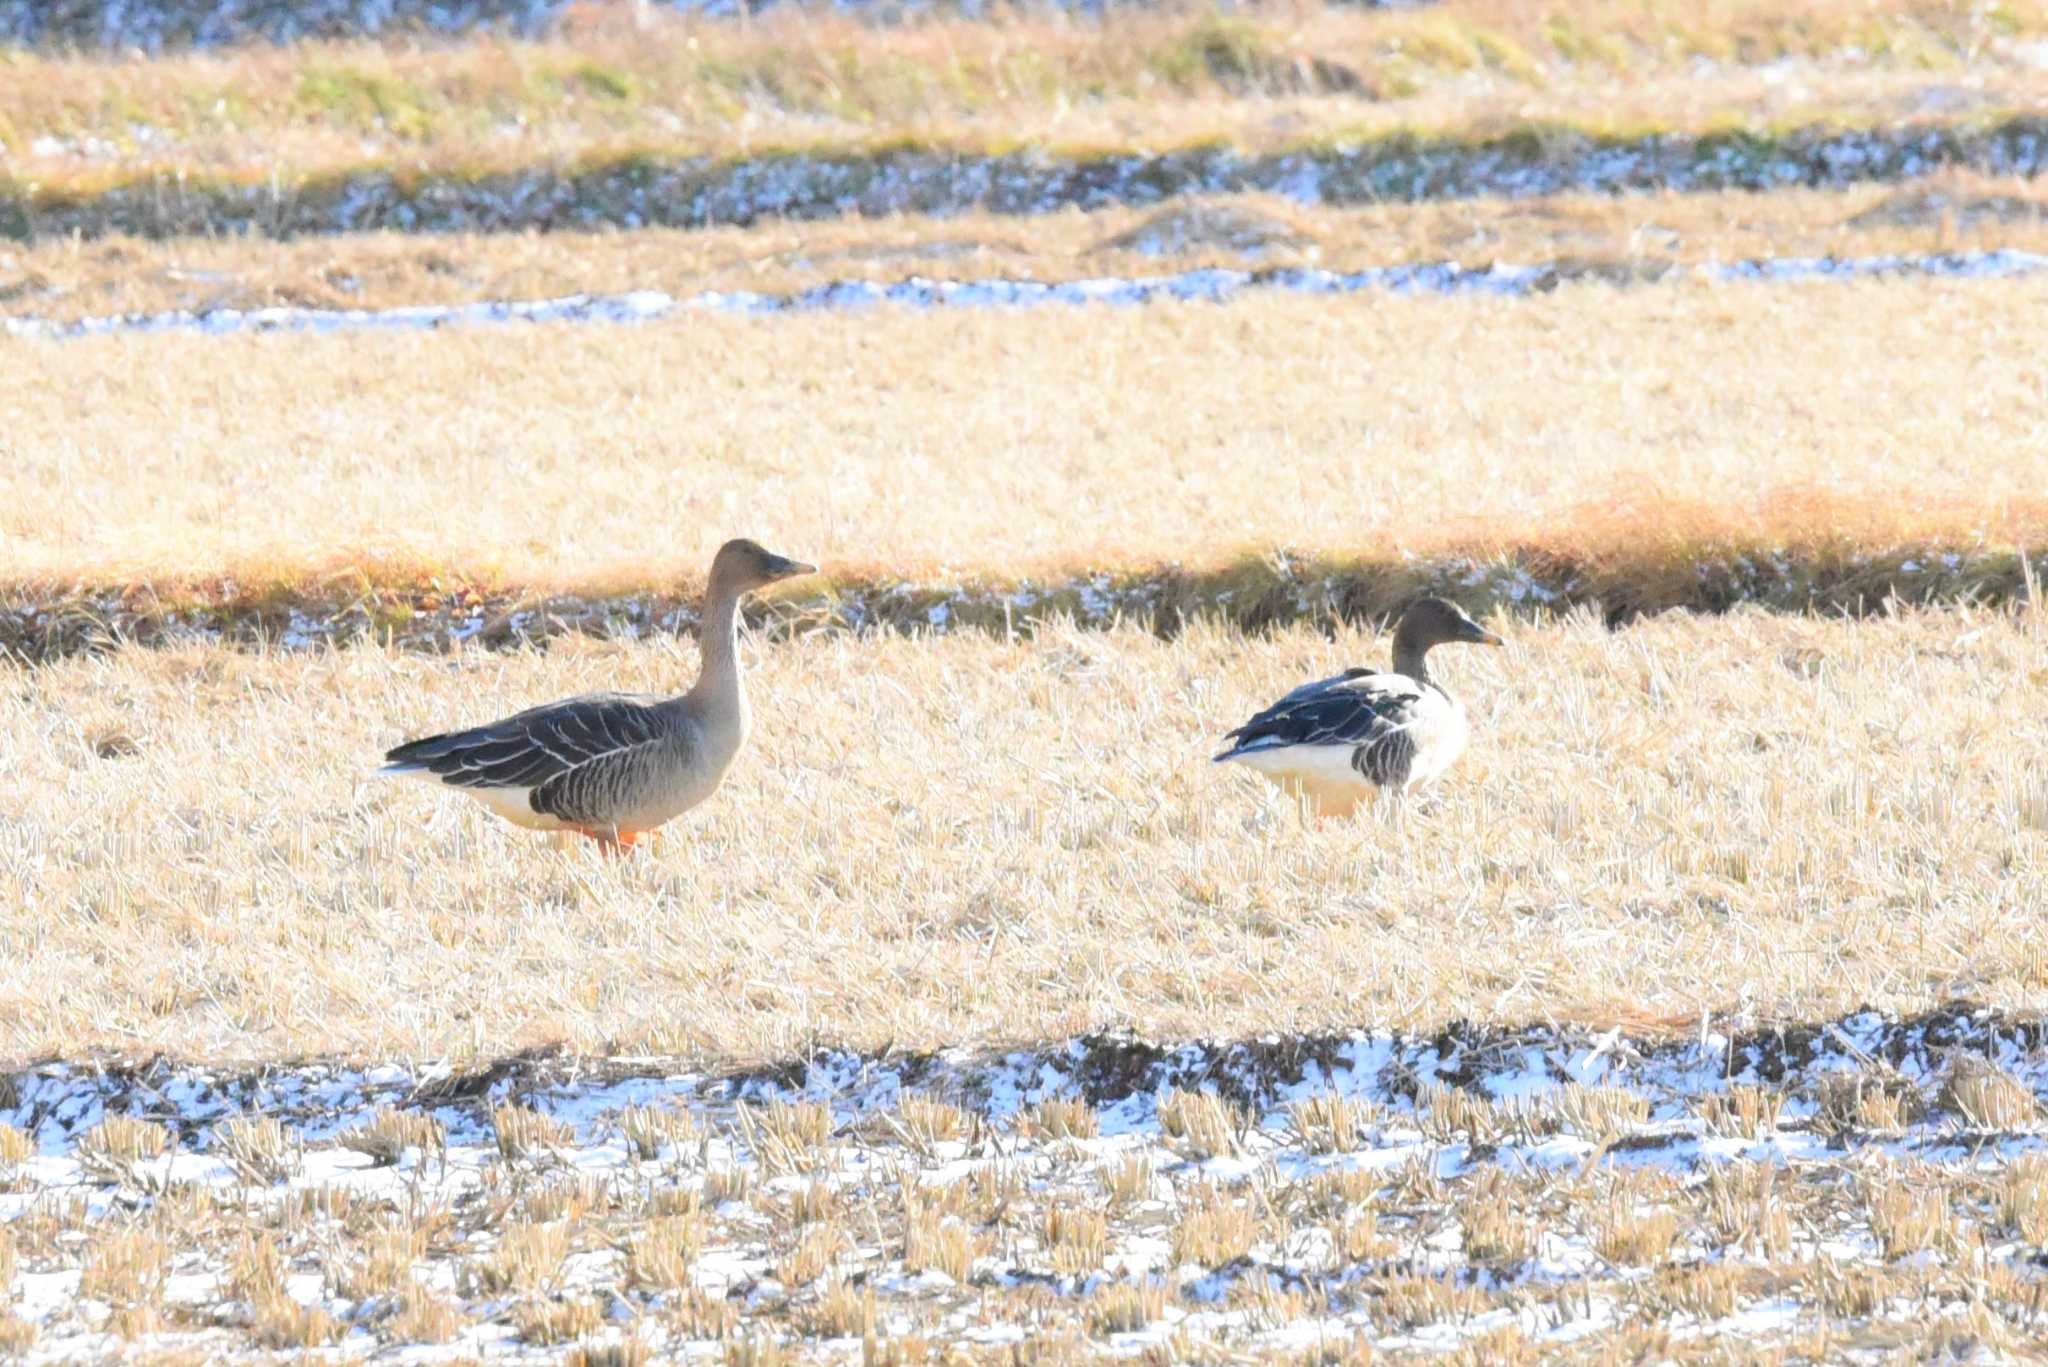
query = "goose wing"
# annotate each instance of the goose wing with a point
(1351, 708)
(1314, 688)
(1359, 710)
(572, 758)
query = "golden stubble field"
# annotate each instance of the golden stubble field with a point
(913, 445)
(958, 841)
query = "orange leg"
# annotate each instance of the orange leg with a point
(612, 841)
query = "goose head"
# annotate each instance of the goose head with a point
(1434, 622)
(1438, 621)
(742, 566)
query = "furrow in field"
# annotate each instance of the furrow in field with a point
(1614, 240)
(1671, 1070)
(62, 25)
(670, 189)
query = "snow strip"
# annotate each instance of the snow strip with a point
(1125, 1079)
(677, 190)
(1163, 598)
(1214, 285)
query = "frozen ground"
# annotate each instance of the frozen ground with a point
(1864, 1184)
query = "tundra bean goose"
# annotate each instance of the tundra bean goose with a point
(612, 766)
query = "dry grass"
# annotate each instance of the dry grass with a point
(648, 1129)
(524, 1132)
(1756, 825)
(74, 278)
(1748, 1111)
(388, 1134)
(1214, 1230)
(126, 1268)
(720, 87)
(1874, 1099)
(1822, 416)
(1631, 1237)
(113, 1148)
(259, 1148)
(1329, 1123)
(1063, 1118)
(1202, 1125)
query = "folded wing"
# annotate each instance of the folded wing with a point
(580, 760)
(1365, 713)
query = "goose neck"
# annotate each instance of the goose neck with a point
(1408, 657)
(718, 638)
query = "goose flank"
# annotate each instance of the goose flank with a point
(612, 766)
(1335, 741)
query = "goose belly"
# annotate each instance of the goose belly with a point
(1328, 764)
(516, 806)
(1325, 773)
(641, 811)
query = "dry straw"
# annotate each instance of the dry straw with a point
(1186, 436)
(1752, 814)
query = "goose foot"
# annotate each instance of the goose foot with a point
(613, 842)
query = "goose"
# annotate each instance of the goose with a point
(613, 766)
(1336, 740)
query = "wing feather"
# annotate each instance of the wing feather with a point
(550, 750)
(1356, 708)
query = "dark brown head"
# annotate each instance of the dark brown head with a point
(742, 565)
(1434, 622)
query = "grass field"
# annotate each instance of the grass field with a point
(1646, 426)
(963, 845)
(961, 841)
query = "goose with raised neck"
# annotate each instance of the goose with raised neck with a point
(613, 766)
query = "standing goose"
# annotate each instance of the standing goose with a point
(1337, 739)
(614, 765)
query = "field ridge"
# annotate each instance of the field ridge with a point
(670, 188)
(1255, 593)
